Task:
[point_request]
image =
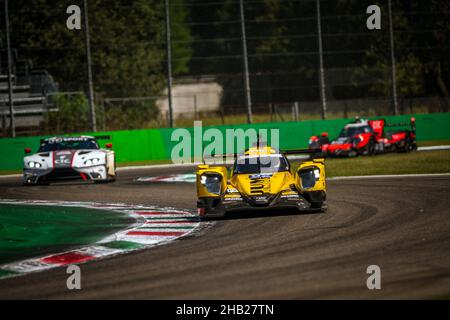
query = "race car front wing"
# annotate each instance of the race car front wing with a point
(219, 206)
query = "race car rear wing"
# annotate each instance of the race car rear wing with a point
(385, 124)
(102, 137)
(313, 154)
(411, 124)
(76, 138)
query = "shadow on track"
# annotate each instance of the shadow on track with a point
(250, 214)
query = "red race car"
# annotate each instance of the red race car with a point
(399, 140)
(367, 137)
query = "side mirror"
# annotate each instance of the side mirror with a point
(27, 150)
(109, 145)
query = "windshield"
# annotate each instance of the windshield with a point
(261, 164)
(68, 143)
(353, 131)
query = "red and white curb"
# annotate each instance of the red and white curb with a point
(154, 226)
(181, 177)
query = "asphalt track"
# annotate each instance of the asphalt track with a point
(400, 224)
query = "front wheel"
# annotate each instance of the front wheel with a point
(107, 180)
(319, 206)
(109, 177)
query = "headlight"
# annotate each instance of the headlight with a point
(211, 182)
(92, 162)
(34, 164)
(309, 178)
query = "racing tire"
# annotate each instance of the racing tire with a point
(371, 147)
(319, 206)
(368, 150)
(108, 179)
(406, 148)
(112, 178)
(411, 145)
(38, 183)
(209, 217)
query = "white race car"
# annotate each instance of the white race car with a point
(69, 158)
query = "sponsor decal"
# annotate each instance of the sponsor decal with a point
(232, 198)
(61, 139)
(290, 196)
(260, 176)
(260, 198)
(259, 186)
(62, 159)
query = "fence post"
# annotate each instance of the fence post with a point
(393, 63)
(296, 110)
(4, 131)
(195, 107)
(89, 70)
(169, 62)
(10, 84)
(323, 97)
(222, 114)
(248, 99)
(345, 109)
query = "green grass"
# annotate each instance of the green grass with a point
(6, 172)
(443, 297)
(433, 143)
(29, 230)
(393, 163)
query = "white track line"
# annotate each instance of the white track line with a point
(406, 175)
(5, 176)
(433, 148)
(189, 165)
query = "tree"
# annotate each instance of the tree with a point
(127, 45)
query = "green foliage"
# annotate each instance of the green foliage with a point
(409, 75)
(283, 49)
(72, 114)
(136, 115)
(376, 68)
(127, 43)
(128, 46)
(181, 38)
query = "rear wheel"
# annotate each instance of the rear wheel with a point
(404, 146)
(372, 145)
(368, 150)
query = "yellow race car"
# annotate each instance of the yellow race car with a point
(261, 178)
